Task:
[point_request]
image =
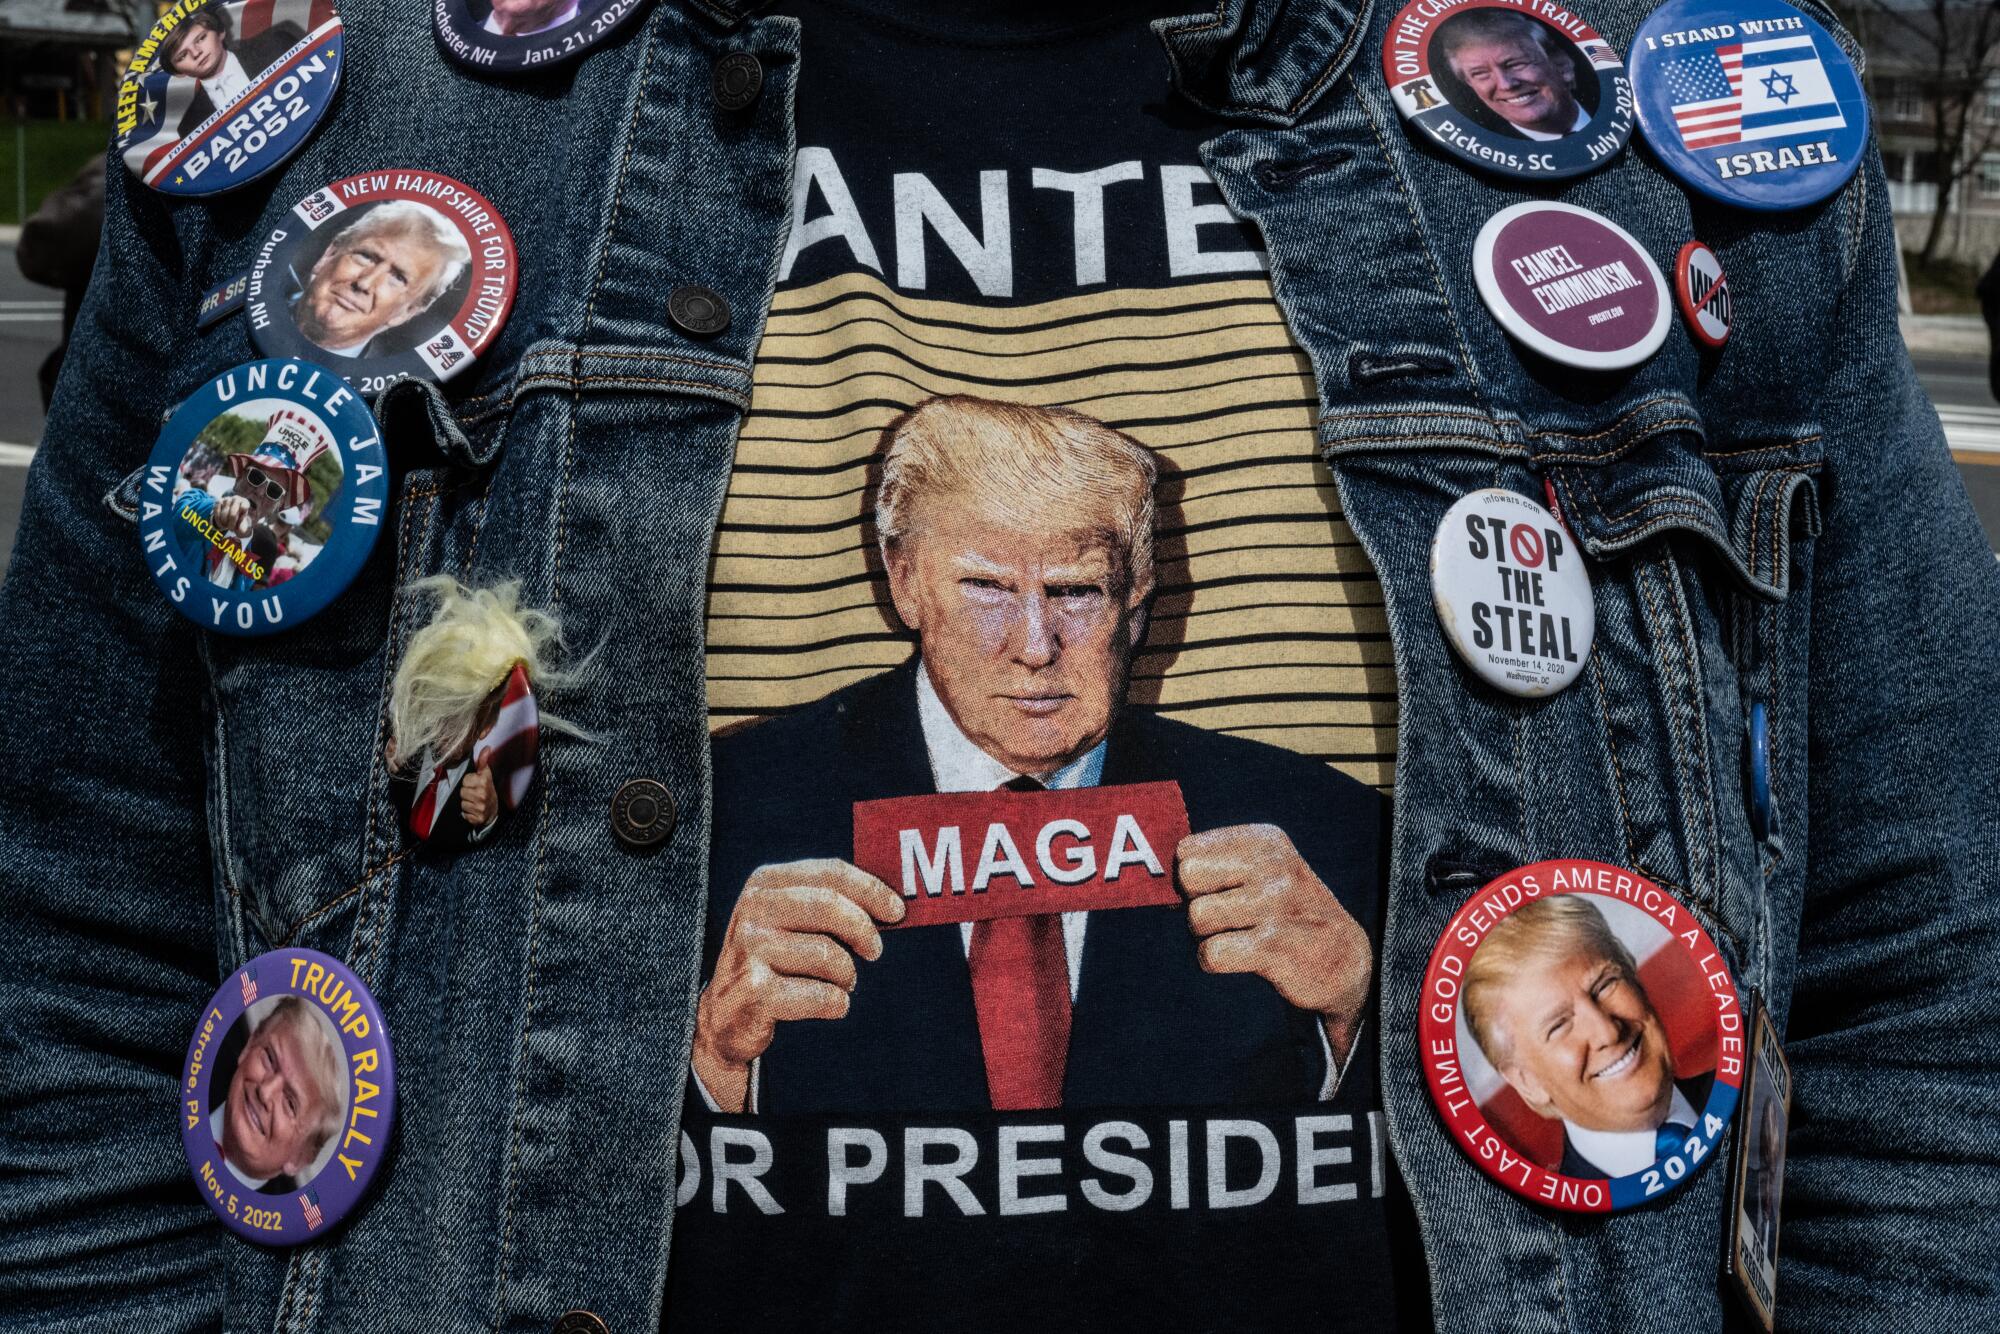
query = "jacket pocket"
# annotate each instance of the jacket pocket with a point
(1743, 505)
(298, 816)
(1696, 552)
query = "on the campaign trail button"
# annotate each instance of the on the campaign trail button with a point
(509, 35)
(1749, 101)
(1581, 1035)
(222, 91)
(1512, 593)
(1702, 290)
(384, 276)
(287, 1096)
(1571, 285)
(263, 497)
(1523, 88)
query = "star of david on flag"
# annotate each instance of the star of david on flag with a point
(1740, 91)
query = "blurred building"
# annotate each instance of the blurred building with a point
(60, 59)
(1933, 77)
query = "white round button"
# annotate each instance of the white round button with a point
(1512, 593)
(1572, 285)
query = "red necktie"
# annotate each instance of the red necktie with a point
(1020, 989)
(426, 811)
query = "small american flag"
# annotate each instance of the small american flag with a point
(309, 1201)
(512, 743)
(249, 985)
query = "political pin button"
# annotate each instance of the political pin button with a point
(1757, 742)
(1702, 290)
(1749, 101)
(263, 497)
(287, 1096)
(1533, 93)
(1581, 1036)
(508, 35)
(1571, 285)
(1512, 593)
(223, 91)
(385, 276)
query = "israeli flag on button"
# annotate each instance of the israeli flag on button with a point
(1750, 103)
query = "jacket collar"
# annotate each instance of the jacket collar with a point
(1264, 61)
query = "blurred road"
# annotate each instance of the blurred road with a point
(1950, 358)
(30, 327)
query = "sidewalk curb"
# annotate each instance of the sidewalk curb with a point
(1956, 335)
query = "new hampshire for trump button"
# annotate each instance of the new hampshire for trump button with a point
(1581, 1035)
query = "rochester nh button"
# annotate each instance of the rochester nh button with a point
(642, 813)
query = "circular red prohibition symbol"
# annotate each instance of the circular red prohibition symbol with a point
(1526, 544)
(1581, 1036)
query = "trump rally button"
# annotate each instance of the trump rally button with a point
(1522, 89)
(262, 497)
(1572, 285)
(222, 91)
(384, 276)
(1581, 1035)
(1512, 593)
(1749, 101)
(288, 1096)
(511, 35)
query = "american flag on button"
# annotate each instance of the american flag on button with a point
(249, 985)
(309, 1201)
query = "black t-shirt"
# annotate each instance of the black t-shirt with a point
(1003, 234)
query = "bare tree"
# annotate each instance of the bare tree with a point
(1951, 50)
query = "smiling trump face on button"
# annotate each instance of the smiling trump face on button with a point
(1018, 543)
(380, 272)
(1557, 1006)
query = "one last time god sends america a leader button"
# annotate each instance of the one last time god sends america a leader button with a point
(1521, 88)
(288, 1096)
(1512, 593)
(262, 497)
(1572, 285)
(1749, 101)
(1581, 1036)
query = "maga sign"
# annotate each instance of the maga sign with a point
(969, 856)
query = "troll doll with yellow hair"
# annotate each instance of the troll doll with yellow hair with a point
(464, 730)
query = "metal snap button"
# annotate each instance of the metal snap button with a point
(697, 310)
(739, 77)
(580, 1322)
(642, 814)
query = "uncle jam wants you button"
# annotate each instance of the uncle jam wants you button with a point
(263, 497)
(1581, 1036)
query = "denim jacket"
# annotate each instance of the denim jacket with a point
(1779, 525)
